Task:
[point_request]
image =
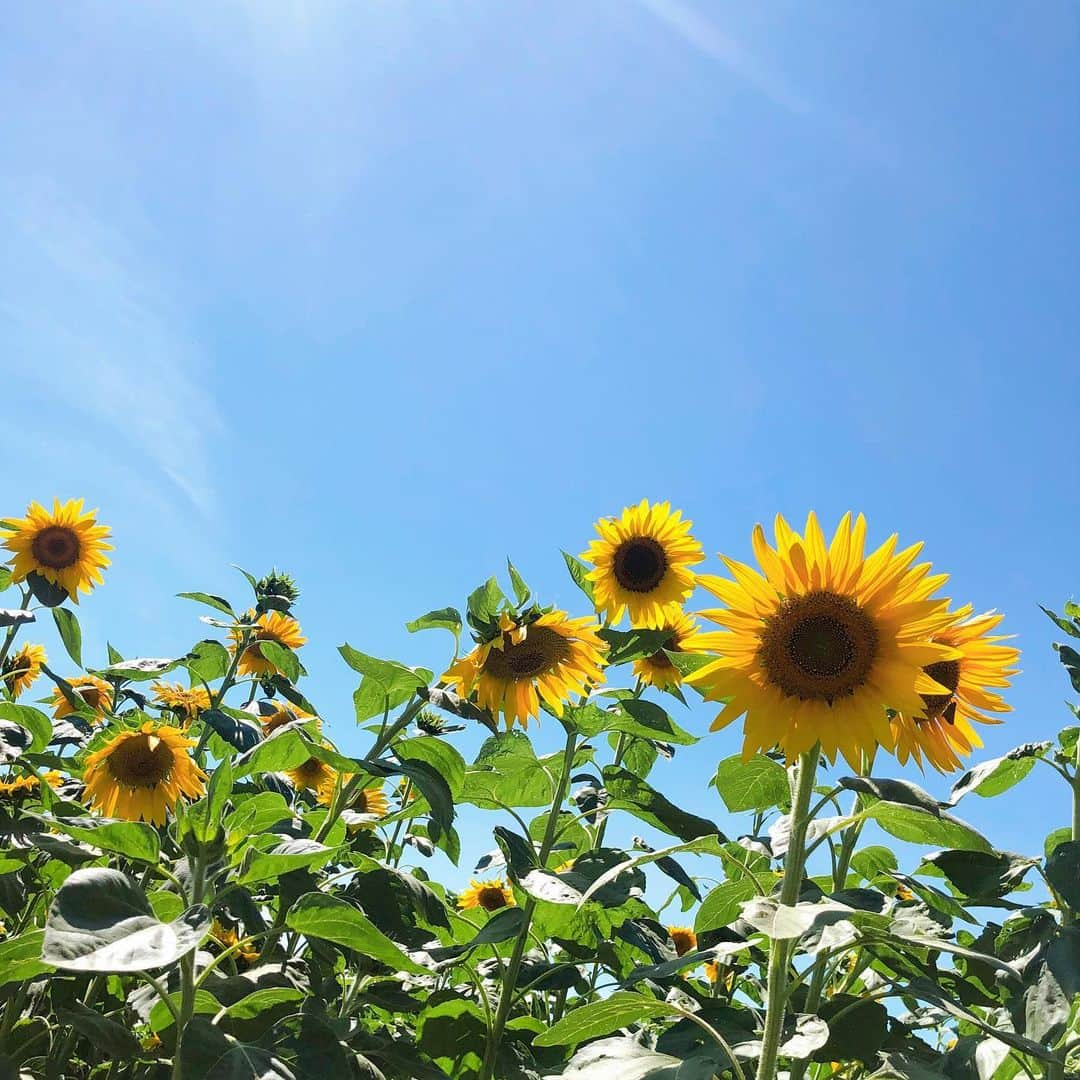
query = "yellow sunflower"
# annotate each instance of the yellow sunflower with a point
(821, 641)
(140, 774)
(552, 658)
(22, 668)
(489, 895)
(22, 787)
(370, 800)
(187, 701)
(658, 670)
(97, 694)
(314, 775)
(282, 715)
(712, 971)
(941, 730)
(685, 939)
(642, 564)
(564, 867)
(269, 626)
(227, 937)
(65, 546)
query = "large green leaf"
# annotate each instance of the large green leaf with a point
(919, 826)
(982, 873)
(34, 720)
(447, 618)
(723, 905)
(990, 778)
(621, 1009)
(208, 1053)
(629, 792)
(631, 716)
(440, 755)
(284, 857)
(757, 784)
(108, 1035)
(635, 644)
(579, 572)
(132, 839)
(20, 957)
(1063, 872)
(67, 625)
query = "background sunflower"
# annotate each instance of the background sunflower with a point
(23, 667)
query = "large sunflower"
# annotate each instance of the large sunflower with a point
(941, 731)
(65, 546)
(140, 774)
(269, 626)
(489, 895)
(658, 670)
(552, 658)
(642, 564)
(187, 702)
(22, 668)
(313, 775)
(820, 641)
(97, 694)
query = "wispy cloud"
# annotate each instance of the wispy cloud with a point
(706, 37)
(90, 326)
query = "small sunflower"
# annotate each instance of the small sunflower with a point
(65, 546)
(370, 802)
(188, 702)
(564, 867)
(269, 626)
(23, 787)
(142, 773)
(282, 715)
(22, 668)
(941, 730)
(227, 937)
(95, 692)
(553, 657)
(489, 895)
(642, 564)
(314, 775)
(821, 641)
(658, 670)
(685, 939)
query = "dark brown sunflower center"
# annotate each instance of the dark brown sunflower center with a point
(360, 803)
(311, 769)
(684, 941)
(56, 547)
(818, 647)
(946, 672)
(640, 564)
(141, 761)
(541, 651)
(491, 898)
(91, 695)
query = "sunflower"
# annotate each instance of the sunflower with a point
(22, 668)
(227, 937)
(658, 670)
(65, 546)
(642, 564)
(95, 692)
(712, 971)
(282, 715)
(314, 775)
(821, 641)
(187, 702)
(685, 939)
(553, 657)
(22, 787)
(269, 626)
(370, 802)
(489, 895)
(139, 774)
(941, 730)
(564, 867)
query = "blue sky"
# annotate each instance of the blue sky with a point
(383, 292)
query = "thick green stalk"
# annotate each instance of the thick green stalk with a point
(187, 969)
(779, 950)
(13, 629)
(513, 968)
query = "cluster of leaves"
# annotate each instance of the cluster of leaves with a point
(264, 933)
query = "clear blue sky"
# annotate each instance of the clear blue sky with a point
(382, 292)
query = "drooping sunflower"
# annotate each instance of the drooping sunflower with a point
(489, 895)
(821, 641)
(371, 800)
(65, 546)
(658, 670)
(941, 731)
(282, 715)
(313, 775)
(22, 787)
(552, 657)
(269, 626)
(684, 938)
(22, 668)
(142, 773)
(642, 564)
(187, 702)
(97, 694)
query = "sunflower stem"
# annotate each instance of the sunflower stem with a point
(513, 967)
(780, 950)
(187, 970)
(12, 630)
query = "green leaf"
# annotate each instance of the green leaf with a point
(632, 716)
(919, 826)
(482, 609)
(209, 600)
(627, 645)
(622, 1009)
(70, 634)
(132, 839)
(1053, 839)
(284, 659)
(208, 660)
(386, 683)
(203, 818)
(285, 749)
(857, 1029)
(1063, 872)
(15, 740)
(20, 957)
(5, 577)
(161, 1018)
(330, 919)
(34, 720)
(142, 669)
(44, 591)
(255, 815)
(441, 756)
(723, 905)
(628, 792)
(982, 873)
(446, 618)
(288, 855)
(873, 861)
(207, 1052)
(902, 792)
(990, 778)
(105, 1034)
(1071, 659)
(579, 572)
(757, 784)
(522, 592)
(16, 617)
(249, 1008)
(100, 921)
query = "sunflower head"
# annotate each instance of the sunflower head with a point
(65, 546)
(278, 589)
(642, 563)
(186, 702)
(658, 670)
(96, 694)
(821, 640)
(269, 626)
(314, 775)
(712, 971)
(141, 773)
(278, 715)
(24, 787)
(22, 668)
(538, 656)
(684, 938)
(431, 723)
(489, 895)
(940, 731)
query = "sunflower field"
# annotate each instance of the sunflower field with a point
(195, 881)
